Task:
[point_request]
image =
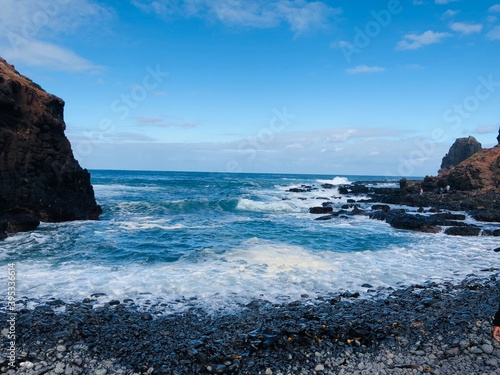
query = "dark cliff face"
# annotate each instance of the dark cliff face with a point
(461, 150)
(39, 177)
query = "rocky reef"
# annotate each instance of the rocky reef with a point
(40, 180)
(442, 203)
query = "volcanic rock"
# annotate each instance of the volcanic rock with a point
(39, 176)
(480, 171)
(462, 149)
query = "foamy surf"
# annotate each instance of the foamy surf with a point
(245, 237)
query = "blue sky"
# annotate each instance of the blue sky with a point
(291, 86)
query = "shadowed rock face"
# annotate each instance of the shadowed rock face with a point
(39, 177)
(462, 149)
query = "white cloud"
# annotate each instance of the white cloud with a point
(450, 13)
(343, 150)
(341, 44)
(416, 41)
(361, 69)
(299, 15)
(492, 18)
(27, 29)
(486, 129)
(160, 122)
(48, 55)
(445, 1)
(495, 8)
(494, 34)
(418, 2)
(466, 28)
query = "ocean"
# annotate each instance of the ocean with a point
(221, 240)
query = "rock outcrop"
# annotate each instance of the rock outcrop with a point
(39, 176)
(461, 150)
(480, 171)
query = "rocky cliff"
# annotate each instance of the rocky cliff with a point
(39, 176)
(462, 149)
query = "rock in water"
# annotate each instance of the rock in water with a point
(462, 149)
(39, 176)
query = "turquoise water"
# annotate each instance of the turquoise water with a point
(224, 239)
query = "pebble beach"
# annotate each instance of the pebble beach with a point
(422, 329)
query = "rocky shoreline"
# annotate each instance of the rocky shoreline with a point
(426, 207)
(434, 328)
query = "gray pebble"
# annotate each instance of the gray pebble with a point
(487, 348)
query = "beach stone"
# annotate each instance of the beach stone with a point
(60, 368)
(492, 362)
(102, 371)
(319, 368)
(269, 371)
(61, 348)
(475, 350)
(220, 369)
(487, 348)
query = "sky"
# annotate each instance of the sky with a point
(275, 86)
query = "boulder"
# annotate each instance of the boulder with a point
(469, 230)
(416, 222)
(320, 210)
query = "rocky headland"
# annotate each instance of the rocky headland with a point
(40, 180)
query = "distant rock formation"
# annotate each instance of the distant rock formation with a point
(498, 137)
(39, 177)
(462, 149)
(480, 171)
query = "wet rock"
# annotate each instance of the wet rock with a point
(463, 231)
(320, 210)
(381, 207)
(326, 217)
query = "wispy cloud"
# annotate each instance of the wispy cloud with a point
(363, 69)
(494, 34)
(486, 129)
(160, 122)
(28, 30)
(450, 13)
(48, 55)
(416, 41)
(466, 28)
(299, 15)
(445, 1)
(495, 8)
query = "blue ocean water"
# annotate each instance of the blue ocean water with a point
(224, 239)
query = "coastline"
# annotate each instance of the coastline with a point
(431, 328)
